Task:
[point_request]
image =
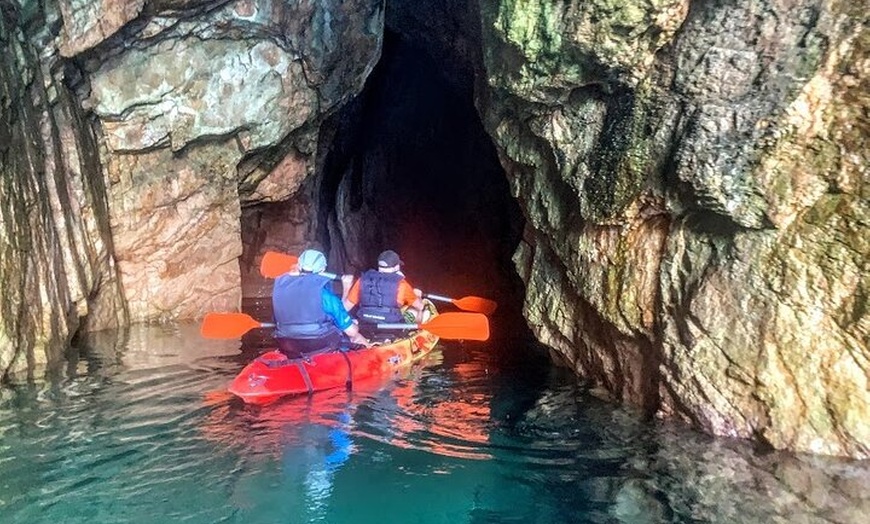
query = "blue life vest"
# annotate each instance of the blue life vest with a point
(378, 297)
(297, 303)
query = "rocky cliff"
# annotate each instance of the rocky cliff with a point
(694, 178)
(56, 263)
(139, 130)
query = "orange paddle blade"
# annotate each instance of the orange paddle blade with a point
(476, 304)
(228, 325)
(276, 264)
(465, 326)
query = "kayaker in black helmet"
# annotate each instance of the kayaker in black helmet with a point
(382, 293)
(308, 316)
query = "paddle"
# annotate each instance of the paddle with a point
(276, 264)
(229, 325)
(464, 326)
(470, 303)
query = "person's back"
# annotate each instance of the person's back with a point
(308, 316)
(382, 294)
(297, 303)
(378, 297)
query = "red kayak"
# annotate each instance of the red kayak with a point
(272, 375)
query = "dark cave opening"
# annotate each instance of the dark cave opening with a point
(405, 165)
(411, 168)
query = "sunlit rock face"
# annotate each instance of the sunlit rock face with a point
(204, 107)
(56, 267)
(694, 179)
(135, 133)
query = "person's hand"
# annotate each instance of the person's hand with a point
(418, 292)
(359, 339)
(346, 280)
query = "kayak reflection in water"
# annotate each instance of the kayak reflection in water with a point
(321, 451)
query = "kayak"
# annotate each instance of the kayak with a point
(272, 375)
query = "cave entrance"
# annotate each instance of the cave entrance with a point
(412, 169)
(407, 166)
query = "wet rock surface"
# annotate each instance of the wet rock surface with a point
(692, 178)
(176, 115)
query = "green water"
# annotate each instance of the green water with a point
(137, 429)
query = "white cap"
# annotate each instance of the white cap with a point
(312, 261)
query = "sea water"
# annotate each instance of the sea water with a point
(137, 428)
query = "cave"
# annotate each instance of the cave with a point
(405, 165)
(690, 211)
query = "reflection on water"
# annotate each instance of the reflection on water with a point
(139, 429)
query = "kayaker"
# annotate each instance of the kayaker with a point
(381, 294)
(308, 315)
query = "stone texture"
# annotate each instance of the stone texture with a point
(57, 273)
(137, 132)
(693, 181)
(86, 24)
(208, 111)
(728, 482)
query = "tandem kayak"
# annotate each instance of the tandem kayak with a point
(272, 375)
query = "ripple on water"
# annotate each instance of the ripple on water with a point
(147, 434)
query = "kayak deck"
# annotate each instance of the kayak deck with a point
(272, 375)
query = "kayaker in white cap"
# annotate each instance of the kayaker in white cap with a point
(309, 317)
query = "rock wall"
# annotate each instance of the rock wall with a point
(56, 264)
(693, 175)
(206, 107)
(137, 133)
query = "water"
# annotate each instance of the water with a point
(138, 430)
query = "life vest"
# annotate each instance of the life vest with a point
(378, 297)
(297, 303)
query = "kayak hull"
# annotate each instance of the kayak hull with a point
(272, 376)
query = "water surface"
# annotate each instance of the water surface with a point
(137, 428)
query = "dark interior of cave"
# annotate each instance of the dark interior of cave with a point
(424, 179)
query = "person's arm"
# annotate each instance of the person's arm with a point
(353, 333)
(409, 297)
(335, 310)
